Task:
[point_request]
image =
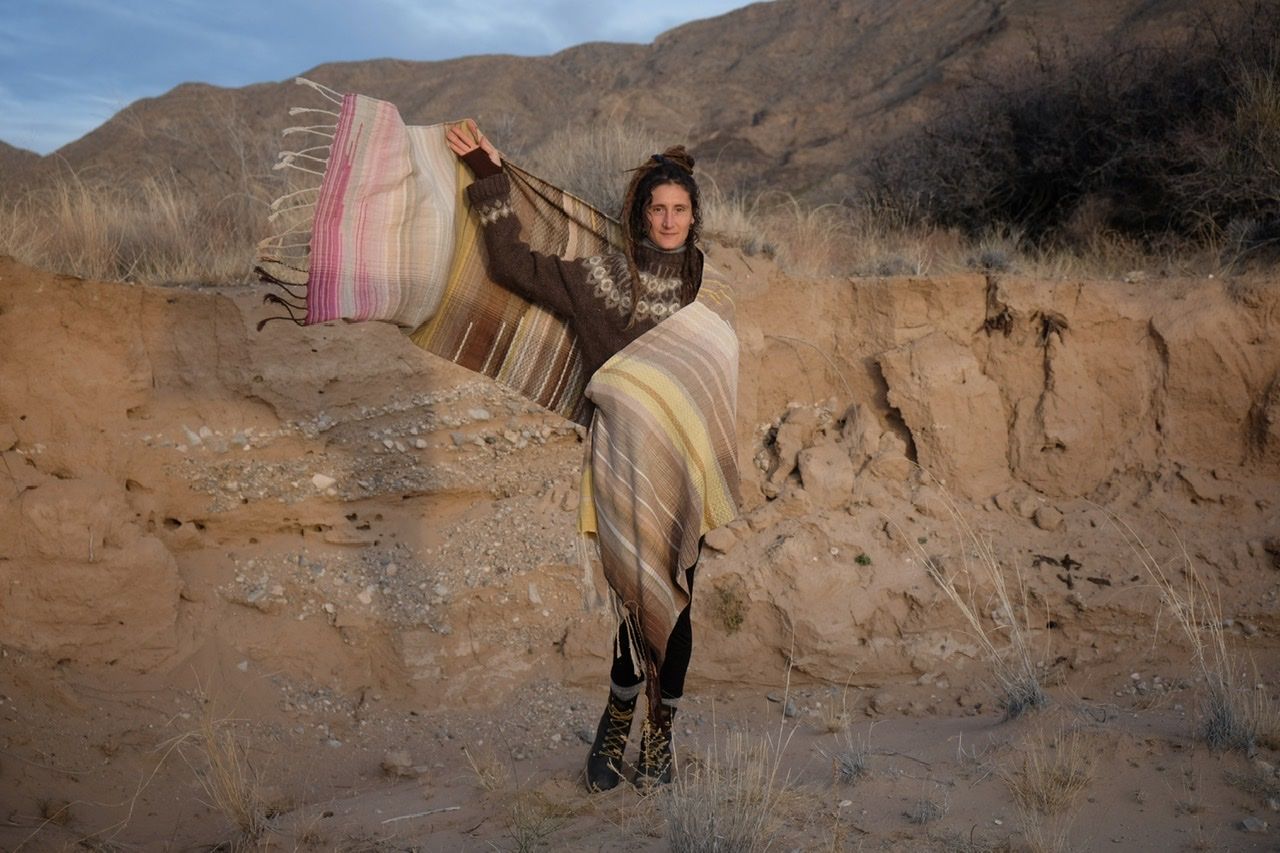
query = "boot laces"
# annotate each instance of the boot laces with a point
(655, 750)
(615, 736)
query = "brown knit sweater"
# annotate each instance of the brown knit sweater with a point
(592, 294)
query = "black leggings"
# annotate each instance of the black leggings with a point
(674, 665)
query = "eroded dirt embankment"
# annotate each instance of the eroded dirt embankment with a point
(332, 504)
(338, 552)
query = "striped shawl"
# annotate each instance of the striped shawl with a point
(385, 233)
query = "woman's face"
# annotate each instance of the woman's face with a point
(670, 216)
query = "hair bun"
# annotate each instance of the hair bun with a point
(678, 155)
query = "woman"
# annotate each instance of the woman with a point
(609, 301)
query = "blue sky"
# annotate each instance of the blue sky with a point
(66, 66)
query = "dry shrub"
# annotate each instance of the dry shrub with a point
(728, 800)
(1001, 627)
(151, 230)
(1163, 143)
(592, 161)
(822, 240)
(1053, 773)
(810, 239)
(148, 222)
(735, 220)
(491, 774)
(1236, 714)
(220, 762)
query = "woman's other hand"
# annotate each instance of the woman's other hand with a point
(465, 138)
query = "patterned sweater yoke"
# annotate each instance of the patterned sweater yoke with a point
(592, 293)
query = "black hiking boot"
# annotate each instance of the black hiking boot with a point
(604, 762)
(656, 755)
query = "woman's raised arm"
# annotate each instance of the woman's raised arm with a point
(466, 140)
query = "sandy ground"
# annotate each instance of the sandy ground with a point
(342, 575)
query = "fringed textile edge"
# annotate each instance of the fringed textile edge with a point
(284, 258)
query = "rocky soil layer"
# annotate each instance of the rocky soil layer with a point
(337, 529)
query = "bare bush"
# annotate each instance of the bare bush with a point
(999, 622)
(1159, 142)
(726, 801)
(1236, 714)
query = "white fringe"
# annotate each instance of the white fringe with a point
(287, 158)
(282, 211)
(329, 94)
(298, 228)
(302, 151)
(297, 111)
(317, 129)
(278, 203)
(286, 164)
(294, 256)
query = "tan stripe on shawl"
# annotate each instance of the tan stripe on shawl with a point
(389, 236)
(663, 458)
(389, 216)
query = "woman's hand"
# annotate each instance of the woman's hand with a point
(464, 137)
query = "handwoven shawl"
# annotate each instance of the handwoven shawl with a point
(662, 463)
(386, 234)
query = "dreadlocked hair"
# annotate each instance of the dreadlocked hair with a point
(673, 166)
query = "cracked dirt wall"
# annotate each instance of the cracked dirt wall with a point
(334, 504)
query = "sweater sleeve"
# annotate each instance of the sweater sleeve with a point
(477, 160)
(542, 279)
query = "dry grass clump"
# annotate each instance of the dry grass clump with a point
(1237, 713)
(1003, 634)
(152, 230)
(218, 758)
(491, 774)
(836, 717)
(1046, 836)
(850, 760)
(927, 809)
(533, 819)
(728, 800)
(1053, 774)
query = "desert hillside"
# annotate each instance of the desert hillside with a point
(351, 568)
(791, 95)
(1006, 574)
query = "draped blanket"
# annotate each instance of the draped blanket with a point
(382, 231)
(662, 465)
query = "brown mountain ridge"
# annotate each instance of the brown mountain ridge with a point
(791, 95)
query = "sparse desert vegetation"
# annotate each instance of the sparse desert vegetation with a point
(1153, 159)
(367, 554)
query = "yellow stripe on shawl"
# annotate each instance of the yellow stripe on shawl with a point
(665, 401)
(466, 246)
